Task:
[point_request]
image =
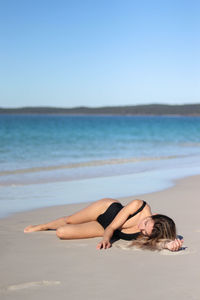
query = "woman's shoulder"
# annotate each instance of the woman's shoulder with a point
(136, 203)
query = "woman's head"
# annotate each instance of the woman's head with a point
(158, 226)
(155, 229)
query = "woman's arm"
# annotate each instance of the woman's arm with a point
(105, 243)
(170, 245)
(118, 221)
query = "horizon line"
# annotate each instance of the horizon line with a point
(96, 107)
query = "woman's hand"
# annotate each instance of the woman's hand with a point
(174, 245)
(104, 244)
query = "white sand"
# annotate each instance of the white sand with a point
(40, 266)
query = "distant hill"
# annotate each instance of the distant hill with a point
(150, 109)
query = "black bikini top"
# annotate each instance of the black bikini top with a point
(130, 236)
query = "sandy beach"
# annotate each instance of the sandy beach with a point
(40, 266)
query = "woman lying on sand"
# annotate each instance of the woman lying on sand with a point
(107, 218)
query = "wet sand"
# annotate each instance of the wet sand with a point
(40, 266)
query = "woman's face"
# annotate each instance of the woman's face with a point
(146, 226)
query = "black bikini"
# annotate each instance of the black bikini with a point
(108, 216)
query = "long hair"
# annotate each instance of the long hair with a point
(164, 230)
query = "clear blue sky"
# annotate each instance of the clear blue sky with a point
(95, 53)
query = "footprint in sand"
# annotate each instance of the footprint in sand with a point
(28, 285)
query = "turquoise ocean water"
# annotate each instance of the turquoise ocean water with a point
(49, 160)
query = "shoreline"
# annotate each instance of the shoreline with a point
(124, 199)
(39, 265)
(18, 198)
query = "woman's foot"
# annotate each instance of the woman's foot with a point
(32, 228)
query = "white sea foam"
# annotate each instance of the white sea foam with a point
(93, 163)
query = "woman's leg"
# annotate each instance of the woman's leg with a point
(91, 212)
(51, 225)
(80, 231)
(85, 215)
